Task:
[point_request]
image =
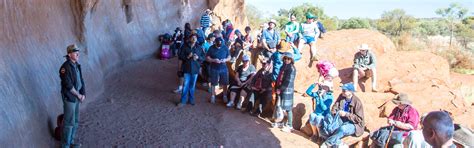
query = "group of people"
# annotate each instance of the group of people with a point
(204, 53)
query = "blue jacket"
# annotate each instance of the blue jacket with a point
(323, 105)
(190, 65)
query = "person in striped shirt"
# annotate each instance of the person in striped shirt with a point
(206, 21)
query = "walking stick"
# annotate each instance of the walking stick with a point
(389, 135)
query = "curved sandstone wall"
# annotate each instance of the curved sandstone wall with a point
(35, 34)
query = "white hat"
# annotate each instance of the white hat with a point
(364, 47)
(273, 21)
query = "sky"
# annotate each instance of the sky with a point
(373, 9)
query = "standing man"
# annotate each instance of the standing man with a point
(292, 30)
(72, 92)
(270, 39)
(364, 66)
(206, 21)
(310, 31)
(217, 56)
(192, 56)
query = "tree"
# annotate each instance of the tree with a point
(254, 16)
(355, 23)
(465, 31)
(395, 22)
(300, 13)
(453, 14)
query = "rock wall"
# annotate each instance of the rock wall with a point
(35, 34)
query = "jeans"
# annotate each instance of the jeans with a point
(71, 122)
(189, 87)
(345, 130)
(315, 119)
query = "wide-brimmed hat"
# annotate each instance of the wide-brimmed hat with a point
(364, 47)
(288, 55)
(348, 87)
(463, 135)
(72, 48)
(284, 46)
(272, 21)
(208, 10)
(401, 98)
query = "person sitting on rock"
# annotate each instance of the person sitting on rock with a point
(438, 129)
(351, 111)
(365, 66)
(285, 85)
(262, 87)
(403, 119)
(206, 21)
(322, 98)
(192, 56)
(242, 80)
(292, 29)
(310, 31)
(217, 56)
(270, 39)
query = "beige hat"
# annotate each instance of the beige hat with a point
(401, 98)
(272, 21)
(364, 47)
(72, 48)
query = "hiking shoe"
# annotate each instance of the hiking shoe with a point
(314, 58)
(180, 105)
(178, 90)
(239, 106)
(343, 145)
(230, 104)
(275, 125)
(232, 60)
(324, 145)
(374, 90)
(287, 129)
(225, 99)
(213, 99)
(74, 145)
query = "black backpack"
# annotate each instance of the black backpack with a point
(58, 131)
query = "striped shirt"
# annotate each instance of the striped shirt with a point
(205, 20)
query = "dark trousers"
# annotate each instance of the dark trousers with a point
(262, 98)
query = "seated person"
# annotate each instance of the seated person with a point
(321, 106)
(262, 87)
(364, 66)
(350, 110)
(438, 129)
(403, 119)
(243, 77)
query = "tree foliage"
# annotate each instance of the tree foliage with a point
(356, 23)
(300, 12)
(453, 15)
(395, 22)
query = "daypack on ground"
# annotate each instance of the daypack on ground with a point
(165, 51)
(59, 129)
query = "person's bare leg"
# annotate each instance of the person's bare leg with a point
(224, 93)
(232, 99)
(241, 98)
(301, 45)
(374, 80)
(355, 78)
(213, 94)
(312, 47)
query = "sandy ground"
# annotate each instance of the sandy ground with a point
(138, 109)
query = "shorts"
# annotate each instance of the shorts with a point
(315, 120)
(309, 39)
(219, 77)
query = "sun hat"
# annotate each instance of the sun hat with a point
(401, 98)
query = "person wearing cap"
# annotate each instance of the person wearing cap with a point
(177, 40)
(285, 87)
(270, 39)
(237, 46)
(192, 56)
(438, 129)
(217, 56)
(72, 92)
(262, 87)
(310, 33)
(321, 104)
(292, 29)
(201, 37)
(351, 111)
(404, 118)
(187, 33)
(365, 66)
(206, 21)
(243, 78)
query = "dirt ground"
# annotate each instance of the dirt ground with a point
(139, 109)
